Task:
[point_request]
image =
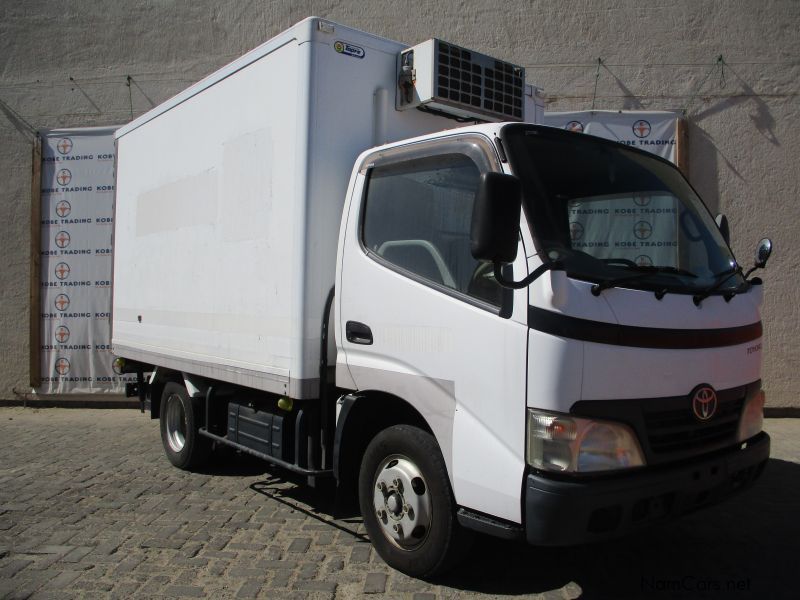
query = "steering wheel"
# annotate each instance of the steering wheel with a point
(619, 261)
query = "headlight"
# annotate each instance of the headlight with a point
(752, 419)
(564, 443)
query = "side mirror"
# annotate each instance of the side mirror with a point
(722, 224)
(495, 218)
(763, 250)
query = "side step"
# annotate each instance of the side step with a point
(489, 525)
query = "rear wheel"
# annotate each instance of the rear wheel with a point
(407, 503)
(180, 420)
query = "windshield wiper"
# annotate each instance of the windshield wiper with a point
(642, 272)
(720, 280)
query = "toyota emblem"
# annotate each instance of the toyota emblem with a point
(704, 403)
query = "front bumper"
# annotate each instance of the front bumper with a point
(561, 513)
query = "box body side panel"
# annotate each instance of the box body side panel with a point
(207, 199)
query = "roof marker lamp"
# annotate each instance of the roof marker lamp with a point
(566, 444)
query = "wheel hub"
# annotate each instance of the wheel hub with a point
(176, 423)
(402, 502)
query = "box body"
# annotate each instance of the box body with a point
(228, 205)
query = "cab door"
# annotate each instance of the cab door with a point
(421, 319)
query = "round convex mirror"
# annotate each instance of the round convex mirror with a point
(763, 251)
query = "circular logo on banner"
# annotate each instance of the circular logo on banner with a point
(641, 200)
(63, 239)
(117, 366)
(63, 177)
(641, 128)
(642, 230)
(64, 146)
(63, 208)
(62, 302)
(643, 261)
(62, 270)
(62, 366)
(576, 126)
(704, 403)
(62, 334)
(575, 231)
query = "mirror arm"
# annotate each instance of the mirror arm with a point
(751, 269)
(533, 276)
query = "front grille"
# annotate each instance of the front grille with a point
(677, 430)
(667, 428)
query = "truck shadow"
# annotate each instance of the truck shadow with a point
(746, 547)
(743, 548)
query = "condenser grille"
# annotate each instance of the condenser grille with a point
(479, 81)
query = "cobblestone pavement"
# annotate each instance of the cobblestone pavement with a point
(90, 507)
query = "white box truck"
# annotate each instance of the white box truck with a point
(355, 260)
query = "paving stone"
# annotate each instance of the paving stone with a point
(360, 553)
(249, 589)
(375, 583)
(77, 554)
(315, 586)
(62, 580)
(184, 591)
(12, 567)
(299, 545)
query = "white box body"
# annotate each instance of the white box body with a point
(228, 204)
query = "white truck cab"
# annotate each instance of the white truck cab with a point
(607, 392)
(496, 326)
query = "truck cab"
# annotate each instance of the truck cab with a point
(587, 365)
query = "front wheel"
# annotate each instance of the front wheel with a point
(180, 420)
(407, 504)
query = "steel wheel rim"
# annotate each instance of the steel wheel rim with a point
(402, 502)
(176, 423)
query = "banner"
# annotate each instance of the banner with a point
(77, 226)
(637, 227)
(655, 132)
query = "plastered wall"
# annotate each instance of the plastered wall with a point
(66, 64)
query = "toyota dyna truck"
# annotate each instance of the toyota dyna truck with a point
(355, 260)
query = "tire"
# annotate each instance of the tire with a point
(180, 418)
(407, 504)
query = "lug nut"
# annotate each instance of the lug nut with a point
(398, 529)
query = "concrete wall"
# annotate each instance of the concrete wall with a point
(743, 114)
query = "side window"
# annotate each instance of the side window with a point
(417, 217)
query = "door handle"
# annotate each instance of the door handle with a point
(358, 333)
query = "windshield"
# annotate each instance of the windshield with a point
(617, 214)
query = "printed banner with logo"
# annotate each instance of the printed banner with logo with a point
(640, 227)
(655, 132)
(77, 225)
